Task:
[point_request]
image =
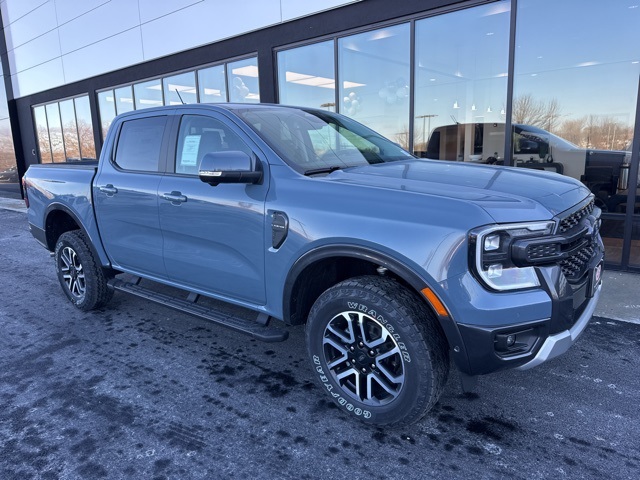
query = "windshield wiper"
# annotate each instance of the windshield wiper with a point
(330, 169)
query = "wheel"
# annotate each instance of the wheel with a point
(377, 350)
(82, 278)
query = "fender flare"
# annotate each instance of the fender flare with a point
(97, 250)
(406, 272)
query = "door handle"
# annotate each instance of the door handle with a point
(175, 198)
(109, 189)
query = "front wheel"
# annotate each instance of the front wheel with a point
(377, 350)
(81, 277)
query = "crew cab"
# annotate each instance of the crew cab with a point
(398, 266)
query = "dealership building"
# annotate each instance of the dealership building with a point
(445, 79)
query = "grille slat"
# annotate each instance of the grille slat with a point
(573, 220)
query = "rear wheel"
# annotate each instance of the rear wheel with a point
(377, 350)
(82, 278)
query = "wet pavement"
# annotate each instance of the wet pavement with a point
(138, 391)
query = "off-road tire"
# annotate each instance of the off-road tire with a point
(411, 359)
(81, 276)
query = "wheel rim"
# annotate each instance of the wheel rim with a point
(72, 272)
(363, 358)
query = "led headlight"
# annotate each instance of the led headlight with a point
(492, 260)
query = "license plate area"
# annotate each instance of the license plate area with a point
(595, 279)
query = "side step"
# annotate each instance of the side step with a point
(259, 331)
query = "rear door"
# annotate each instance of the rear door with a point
(214, 237)
(126, 195)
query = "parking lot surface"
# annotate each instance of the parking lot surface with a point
(139, 391)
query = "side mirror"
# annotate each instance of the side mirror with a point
(229, 167)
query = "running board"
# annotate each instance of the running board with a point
(259, 331)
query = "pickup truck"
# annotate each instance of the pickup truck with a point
(398, 266)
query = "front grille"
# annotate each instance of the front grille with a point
(544, 250)
(572, 220)
(575, 266)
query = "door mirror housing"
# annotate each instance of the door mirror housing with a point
(229, 167)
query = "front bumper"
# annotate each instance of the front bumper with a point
(559, 343)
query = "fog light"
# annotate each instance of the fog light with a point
(510, 340)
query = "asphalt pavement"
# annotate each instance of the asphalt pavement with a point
(139, 391)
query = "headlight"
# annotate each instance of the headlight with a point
(491, 254)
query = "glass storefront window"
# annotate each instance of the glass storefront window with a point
(212, 85)
(124, 99)
(148, 94)
(461, 65)
(374, 80)
(574, 102)
(55, 132)
(107, 107)
(42, 130)
(306, 76)
(243, 81)
(69, 131)
(85, 128)
(180, 89)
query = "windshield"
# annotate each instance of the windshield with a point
(539, 135)
(314, 141)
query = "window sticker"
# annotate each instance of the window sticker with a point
(190, 150)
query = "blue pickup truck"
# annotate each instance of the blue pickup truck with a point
(398, 266)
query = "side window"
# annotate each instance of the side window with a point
(139, 144)
(200, 135)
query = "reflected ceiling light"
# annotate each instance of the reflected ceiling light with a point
(502, 112)
(458, 73)
(473, 107)
(635, 61)
(500, 75)
(489, 34)
(172, 87)
(489, 109)
(212, 91)
(155, 86)
(346, 84)
(455, 104)
(248, 71)
(253, 96)
(380, 34)
(125, 100)
(146, 101)
(587, 64)
(534, 74)
(109, 99)
(633, 6)
(432, 79)
(311, 80)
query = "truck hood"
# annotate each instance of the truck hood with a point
(507, 194)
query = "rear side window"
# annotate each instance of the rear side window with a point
(139, 144)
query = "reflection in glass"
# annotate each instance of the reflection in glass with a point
(211, 85)
(306, 76)
(107, 107)
(461, 84)
(44, 147)
(85, 128)
(243, 81)
(8, 170)
(55, 133)
(148, 94)
(374, 80)
(180, 89)
(69, 131)
(583, 91)
(124, 99)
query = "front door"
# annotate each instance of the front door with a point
(214, 238)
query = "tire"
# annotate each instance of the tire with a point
(377, 350)
(81, 277)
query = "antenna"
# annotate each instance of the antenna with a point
(180, 97)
